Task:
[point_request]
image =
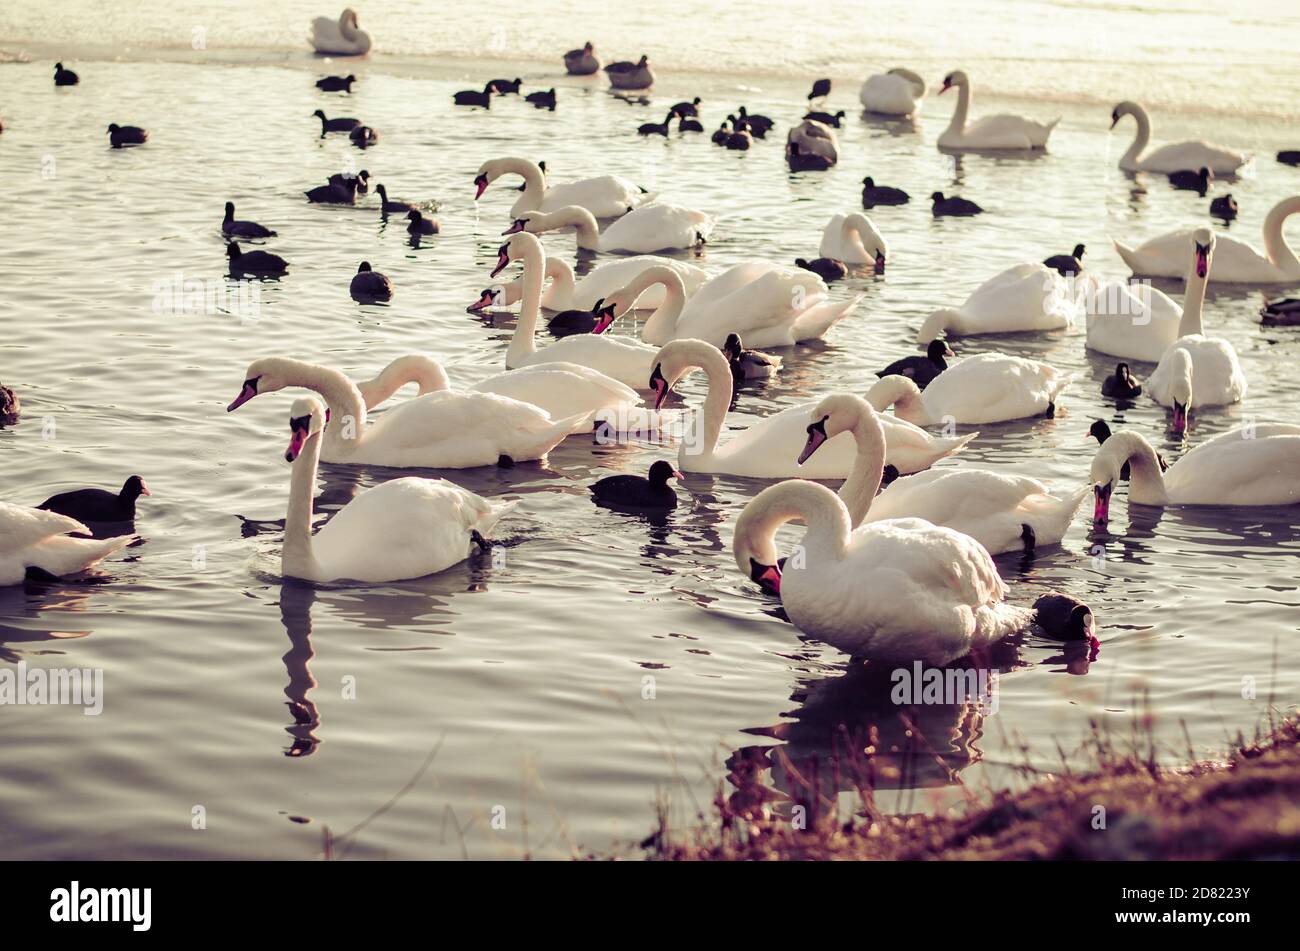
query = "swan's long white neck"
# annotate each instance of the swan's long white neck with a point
(425, 372)
(1146, 480)
(958, 124)
(346, 405)
(297, 557)
(814, 504)
(348, 25)
(1143, 137)
(716, 401)
(559, 296)
(902, 394)
(534, 182)
(660, 325)
(523, 344)
(937, 324)
(917, 82)
(859, 490)
(1194, 298)
(578, 218)
(1275, 246)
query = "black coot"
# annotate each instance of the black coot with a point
(638, 491)
(99, 505)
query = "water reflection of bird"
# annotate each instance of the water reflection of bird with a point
(296, 600)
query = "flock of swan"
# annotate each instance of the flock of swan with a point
(895, 566)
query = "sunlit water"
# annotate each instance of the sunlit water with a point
(517, 690)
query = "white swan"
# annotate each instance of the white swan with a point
(605, 196)
(642, 231)
(896, 93)
(35, 538)
(1236, 261)
(853, 239)
(1256, 465)
(985, 388)
(1174, 157)
(991, 132)
(1001, 512)
(814, 138)
(339, 37)
(601, 282)
(444, 429)
(769, 447)
(1209, 366)
(766, 304)
(1023, 297)
(891, 592)
(1133, 321)
(404, 528)
(628, 361)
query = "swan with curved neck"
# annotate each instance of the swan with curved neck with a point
(1236, 261)
(1028, 296)
(853, 239)
(985, 388)
(891, 591)
(404, 528)
(994, 133)
(605, 196)
(643, 230)
(897, 92)
(341, 37)
(1001, 512)
(1174, 157)
(563, 293)
(1252, 465)
(769, 447)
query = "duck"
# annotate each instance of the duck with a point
(254, 262)
(769, 305)
(891, 592)
(768, 448)
(243, 229)
(99, 505)
(953, 207)
(388, 206)
(1023, 297)
(505, 87)
(985, 388)
(605, 196)
(420, 224)
(820, 89)
(811, 146)
(689, 125)
(342, 37)
(897, 92)
(399, 529)
(1131, 321)
(583, 62)
(470, 97)
(336, 83)
(657, 128)
(337, 124)
(657, 227)
(545, 99)
(1198, 181)
(65, 77)
(828, 269)
(444, 429)
(873, 194)
(748, 364)
(629, 75)
(853, 239)
(1174, 156)
(1000, 511)
(122, 135)
(1281, 312)
(1065, 618)
(1245, 466)
(627, 361)
(1208, 372)
(759, 125)
(369, 285)
(1122, 384)
(1100, 431)
(1066, 265)
(991, 133)
(826, 118)
(1236, 261)
(642, 492)
(921, 370)
(577, 321)
(1224, 207)
(10, 406)
(600, 282)
(363, 136)
(38, 540)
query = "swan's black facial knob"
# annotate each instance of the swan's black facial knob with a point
(516, 226)
(481, 184)
(1202, 259)
(300, 429)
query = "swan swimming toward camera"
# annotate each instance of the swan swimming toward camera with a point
(341, 37)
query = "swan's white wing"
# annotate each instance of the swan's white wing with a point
(656, 227)
(1217, 377)
(1189, 156)
(21, 526)
(560, 389)
(774, 298)
(1234, 469)
(1027, 296)
(612, 276)
(992, 387)
(605, 196)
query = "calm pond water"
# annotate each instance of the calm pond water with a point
(516, 689)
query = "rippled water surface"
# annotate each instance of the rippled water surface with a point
(518, 688)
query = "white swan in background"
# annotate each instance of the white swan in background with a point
(1133, 321)
(444, 429)
(892, 592)
(896, 93)
(605, 196)
(642, 231)
(628, 361)
(1001, 512)
(1235, 261)
(35, 538)
(339, 37)
(1216, 378)
(853, 239)
(991, 132)
(769, 447)
(1023, 297)
(766, 304)
(1174, 157)
(814, 138)
(404, 528)
(602, 281)
(1253, 465)
(985, 388)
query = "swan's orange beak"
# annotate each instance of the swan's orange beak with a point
(816, 436)
(248, 391)
(1101, 503)
(659, 385)
(604, 317)
(503, 261)
(767, 577)
(300, 429)
(482, 183)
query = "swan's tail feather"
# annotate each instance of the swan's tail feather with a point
(1058, 385)
(1128, 254)
(64, 555)
(996, 621)
(953, 444)
(550, 437)
(815, 321)
(494, 513)
(1050, 517)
